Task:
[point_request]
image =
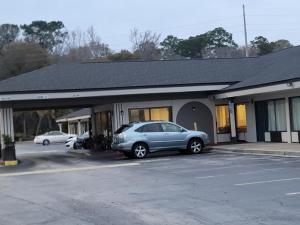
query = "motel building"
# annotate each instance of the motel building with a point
(236, 99)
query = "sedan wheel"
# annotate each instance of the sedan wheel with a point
(195, 146)
(46, 142)
(140, 151)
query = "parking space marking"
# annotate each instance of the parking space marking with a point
(292, 194)
(154, 160)
(205, 177)
(259, 171)
(42, 152)
(65, 170)
(267, 181)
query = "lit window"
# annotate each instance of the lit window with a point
(241, 118)
(146, 114)
(223, 121)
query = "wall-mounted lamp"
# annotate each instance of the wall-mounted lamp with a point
(122, 112)
(194, 109)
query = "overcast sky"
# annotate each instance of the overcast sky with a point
(113, 19)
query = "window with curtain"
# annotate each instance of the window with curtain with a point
(146, 114)
(223, 121)
(295, 104)
(241, 118)
(277, 115)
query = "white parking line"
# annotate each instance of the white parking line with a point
(38, 153)
(205, 177)
(292, 194)
(153, 160)
(64, 170)
(267, 181)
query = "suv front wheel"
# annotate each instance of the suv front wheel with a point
(140, 150)
(195, 146)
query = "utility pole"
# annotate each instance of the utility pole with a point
(245, 30)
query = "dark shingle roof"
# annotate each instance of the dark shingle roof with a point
(273, 68)
(239, 72)
(112, 75)
(78, 113)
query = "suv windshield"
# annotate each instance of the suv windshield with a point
(123, 128)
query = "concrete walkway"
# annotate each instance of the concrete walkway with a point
(283, 149)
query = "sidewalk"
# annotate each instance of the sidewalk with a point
(283, 149)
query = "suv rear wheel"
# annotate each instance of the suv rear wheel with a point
(195, 146)
(140, 150)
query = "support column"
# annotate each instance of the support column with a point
(88, 125)
(60, 127)
(79, 127)
(288, 120)
(7, 124)
(69, 129)
(93, 121)
(232, 121)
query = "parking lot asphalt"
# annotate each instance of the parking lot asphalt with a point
(211, 188)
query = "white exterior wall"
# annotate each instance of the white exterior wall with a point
(287, 136)
(250, 135)
(121, 110)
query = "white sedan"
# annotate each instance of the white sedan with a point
(53, 137)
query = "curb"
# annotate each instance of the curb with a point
(9, 163)
(261, 152)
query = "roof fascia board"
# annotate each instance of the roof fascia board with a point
(78, 94)
(260, 90)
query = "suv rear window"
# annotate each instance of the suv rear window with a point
(123, 128)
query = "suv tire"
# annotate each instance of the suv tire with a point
(195, 146)
(140, 150)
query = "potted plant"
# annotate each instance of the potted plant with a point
(8, 153)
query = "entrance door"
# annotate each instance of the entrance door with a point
(196, 116)
(261, 114)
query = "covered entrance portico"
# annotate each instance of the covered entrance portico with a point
(110, 110)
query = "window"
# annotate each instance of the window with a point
(241, 118)
(295, 104)
(223, 121)
(154, 127)
(276, 115)
(168, 127)
(123, 128)
(146, 114)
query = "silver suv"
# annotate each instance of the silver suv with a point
(136, 140)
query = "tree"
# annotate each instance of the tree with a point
(8, 34)
(170, 47)
(200, 45)
(193, 46)
(22, 57)
(47, 35)
(145, 44)
(97, 48)
(281, 44)
(123, 55)
(262, 45)
(85, 46)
